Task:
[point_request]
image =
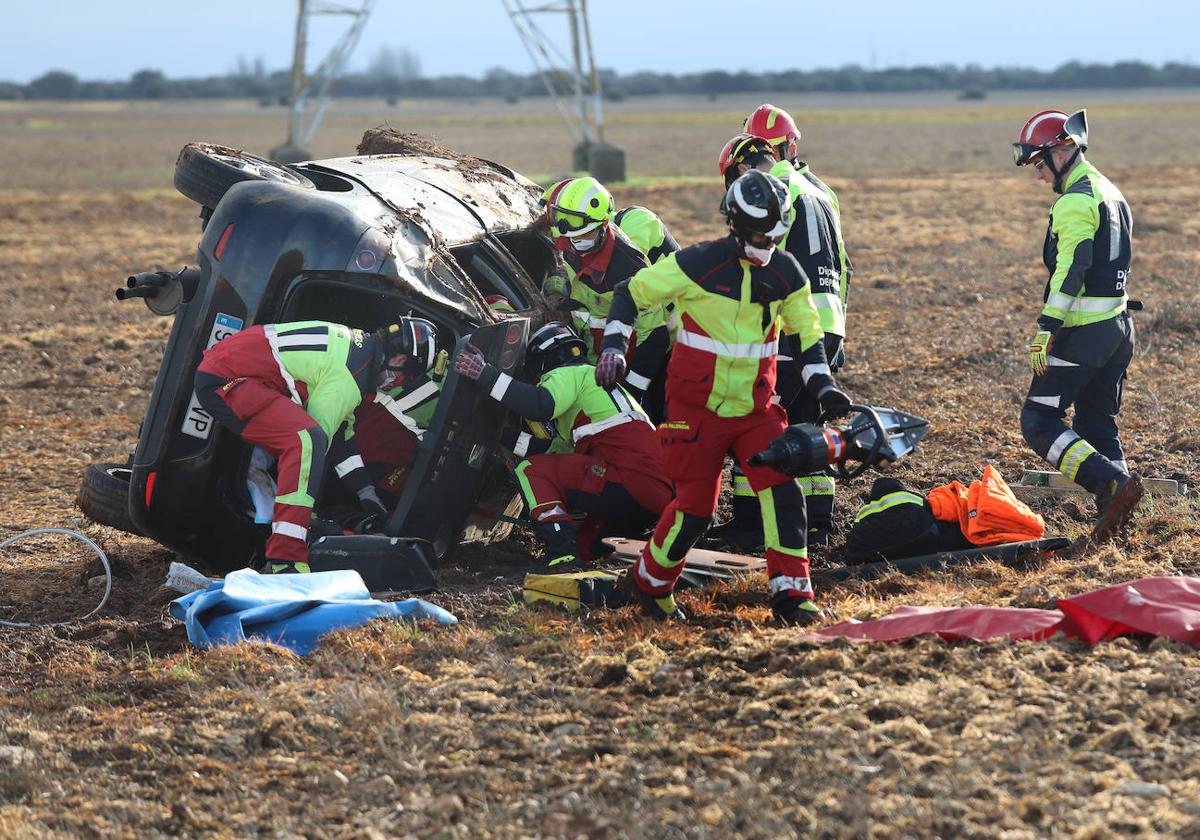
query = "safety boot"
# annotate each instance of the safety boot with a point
(1115, 505)
(794, 611)
(660, 608)
(287, 567)
(729, 537)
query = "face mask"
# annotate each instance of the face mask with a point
(583, 244)
(758, 256)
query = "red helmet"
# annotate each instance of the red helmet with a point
(743, 148)
(1046, 130)
(774, 124)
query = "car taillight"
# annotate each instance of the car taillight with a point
(219, 251)
(150, 481)
(507, 359)
(513, 334)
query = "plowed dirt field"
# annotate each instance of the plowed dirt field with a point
(525, 722)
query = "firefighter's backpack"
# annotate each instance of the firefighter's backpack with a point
(587, 589)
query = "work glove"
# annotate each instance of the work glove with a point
(610, 368)
(374, 518)
(1039, 349)
(470, 362)
(834, 404)
(557, 291)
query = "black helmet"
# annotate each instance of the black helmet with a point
(757, 202)
(415, 338)
(554, 345)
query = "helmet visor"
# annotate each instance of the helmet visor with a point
(1024, 153)
(568, 222)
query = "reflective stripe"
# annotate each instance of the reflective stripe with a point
(289, 529)
(780, 583)
(272, 342)
(597, 322)
(1074, 457)
(637, 380)
(557, 510)
(1050, 401)
(816, 485)
(522, 444)
(809, 371)
(1054, 361)
(394, 409)
(891, 500)
(615, 327)
(827, 300)
(501, 387)
(741, 486)
(1060, 444)
(649, 578)
(810, 214)
(351, 464)
(601, 425)
(1066, 303)
(301, 340)
(422, 394)
(720, 348)
(1114, 231)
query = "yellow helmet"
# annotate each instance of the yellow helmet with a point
(577, 205)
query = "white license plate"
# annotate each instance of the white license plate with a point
(197, 422)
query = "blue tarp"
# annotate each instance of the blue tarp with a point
(294, 611)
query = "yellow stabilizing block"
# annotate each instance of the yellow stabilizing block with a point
(588, 589)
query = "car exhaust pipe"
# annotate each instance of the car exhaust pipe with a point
(162, 291)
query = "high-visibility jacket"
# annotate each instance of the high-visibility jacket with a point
(1087, 251)
(594, 275)
(731, 313)
(815, 240)
(647, 231)
(987, 512)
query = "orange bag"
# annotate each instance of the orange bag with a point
(987, 512)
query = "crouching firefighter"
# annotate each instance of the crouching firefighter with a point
(615, 473)
(733, 295)
(292, 389)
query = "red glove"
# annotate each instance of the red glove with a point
(470, 362)
(610, 368)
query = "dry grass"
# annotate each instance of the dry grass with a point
(534, 723)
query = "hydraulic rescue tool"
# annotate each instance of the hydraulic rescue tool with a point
(873, 436)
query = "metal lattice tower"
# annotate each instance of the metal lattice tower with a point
(581, 109)
(311, 92)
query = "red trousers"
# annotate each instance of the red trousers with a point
(694, 442)
(265, 417)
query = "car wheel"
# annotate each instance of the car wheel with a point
(104, 496)
(204, 172)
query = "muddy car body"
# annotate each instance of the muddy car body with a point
(359, 241)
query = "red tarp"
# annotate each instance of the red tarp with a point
(1167, 606)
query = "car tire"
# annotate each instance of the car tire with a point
(104, 496)
(204, 172)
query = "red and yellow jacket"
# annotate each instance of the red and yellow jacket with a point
(731, 317)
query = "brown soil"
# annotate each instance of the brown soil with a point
(524, 722)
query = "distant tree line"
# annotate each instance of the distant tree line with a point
(397, 74)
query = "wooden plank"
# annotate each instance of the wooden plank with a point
(1055, 481)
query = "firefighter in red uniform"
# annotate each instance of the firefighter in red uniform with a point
(615, 473)
(292, 390)
(739, 298)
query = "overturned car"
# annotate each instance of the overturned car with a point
(405, 227)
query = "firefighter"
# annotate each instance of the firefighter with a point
(813, 240)
(614, 475)
(292, 389)
(1085, 337)
(647, 231)
(739, 298)
(598, 256)
(831, 282)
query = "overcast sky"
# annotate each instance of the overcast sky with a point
(111, 39)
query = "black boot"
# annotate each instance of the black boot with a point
(795, 611)
(660, 608)
(558, 538)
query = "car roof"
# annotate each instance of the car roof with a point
(455, 200)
